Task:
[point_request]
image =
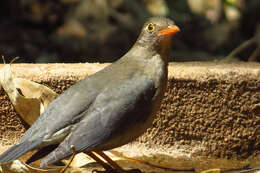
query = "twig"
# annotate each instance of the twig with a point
(13, 60)
(155, 165)
(254, 54)
(71, 159)
(39, 169)
(249, 170)
(241, 47)
(3, 58)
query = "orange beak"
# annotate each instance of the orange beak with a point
(170, 31)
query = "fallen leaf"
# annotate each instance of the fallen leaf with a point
(14, 167)
(212, 171)
(79, 160)
(17, 166)
(29, 98)
(31, 89)
(83, 159)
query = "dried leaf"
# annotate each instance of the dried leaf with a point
(79, 160)
(14, 167)
(31, 89)
(217, 170)
(17, 166)
(83, 159)
(29, 98)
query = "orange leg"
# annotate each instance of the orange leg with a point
(118, 169)
(110, 161)
(106, 166)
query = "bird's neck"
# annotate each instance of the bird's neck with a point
(146, 53)
(152, 62)
(165, 49)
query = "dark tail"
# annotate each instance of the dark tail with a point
(18, 150)
(61, 152)
(41, 153)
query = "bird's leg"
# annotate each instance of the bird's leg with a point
(106, 166)
(71, 159)
(115, 165)
(110, 161)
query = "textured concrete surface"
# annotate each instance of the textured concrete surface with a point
(210, 109)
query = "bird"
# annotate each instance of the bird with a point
(107, 109)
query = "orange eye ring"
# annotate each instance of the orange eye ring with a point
(150, 27)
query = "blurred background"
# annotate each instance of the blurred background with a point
(45, 31)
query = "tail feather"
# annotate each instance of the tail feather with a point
(41, 153)
(61, 152)
(18, 150)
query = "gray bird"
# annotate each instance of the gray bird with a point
(107, 109)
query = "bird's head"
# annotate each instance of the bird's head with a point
(156, 35)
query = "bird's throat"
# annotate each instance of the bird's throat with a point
(165, 49)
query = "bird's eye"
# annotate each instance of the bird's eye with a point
(150, 27)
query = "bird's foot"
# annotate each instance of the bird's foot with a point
(117, 171)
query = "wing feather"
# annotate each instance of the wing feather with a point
(111, 114)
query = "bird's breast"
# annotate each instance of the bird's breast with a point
(156, 68)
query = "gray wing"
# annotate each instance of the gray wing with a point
(58, 118)
(64, 111)
(109, 116)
